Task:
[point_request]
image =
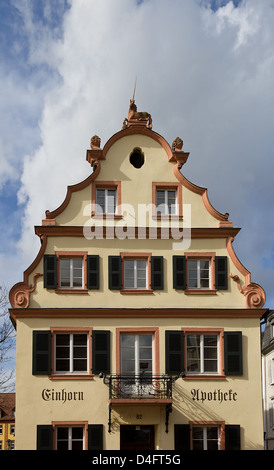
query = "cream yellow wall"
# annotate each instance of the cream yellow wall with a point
(33, 410)
(104, 297)
(136, 184)
(136, 188)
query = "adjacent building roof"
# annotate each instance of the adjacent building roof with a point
(7, 406)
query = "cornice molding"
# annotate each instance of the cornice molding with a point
(132, 232)
(17, 313)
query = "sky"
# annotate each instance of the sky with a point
(204, 72)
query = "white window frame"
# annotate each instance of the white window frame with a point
(205, 439)
(70, 440)
(164, 208)
(198, 271)
(202, 358)
(137, 369)
(71, 357)
(71, 273)
(106, 210)
(135, 274)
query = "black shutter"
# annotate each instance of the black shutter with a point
(179, 272)
(233, 353)
(41, 357)
(95, 437)
(50, 271)
(114, 272)
(44, 437)
(93, 272)
(174, 352)
(232, 437)
(181, 437)
(100, 351)
(157, 273)
(221, 272)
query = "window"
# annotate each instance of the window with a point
(62, 352)
(12, 429)
(166, 202)
(272, 370)
(1, 428)
(70, 438)
(137, 362)
(106, 198)
(71, 273)
(201, 273)
(205, 437)
(71, 353)
(198, 274)
(11, 445)
(202, 351)
(135, 274)
(137, 158)
(136, 354)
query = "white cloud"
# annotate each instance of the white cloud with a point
(204, 76)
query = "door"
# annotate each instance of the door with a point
(136, 364)
(136, 437)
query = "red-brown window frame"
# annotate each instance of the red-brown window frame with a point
(219, 424)
(136, 256)
(220, 374)
(69, 255)
(107, 185)
(71, 330)
(138, 331)
(171, 187)
(68, 424)
(202, 256)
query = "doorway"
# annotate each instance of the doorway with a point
(136, 437)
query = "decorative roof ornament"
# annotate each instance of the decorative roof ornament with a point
(95, 142)
(136, 118)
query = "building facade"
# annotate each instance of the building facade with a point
(7, 421)
(268, 380)
(137, 325)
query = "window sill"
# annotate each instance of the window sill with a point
(136, 291)
(106, 216)
(167, 217)
(204, 377)
(71, 377)
(200, 291)
(71, 291)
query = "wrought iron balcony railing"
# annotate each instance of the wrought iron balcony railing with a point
(140, 386)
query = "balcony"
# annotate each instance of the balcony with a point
(140, 387)
(145, 389)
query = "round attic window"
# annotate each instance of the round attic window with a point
(137, 158)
